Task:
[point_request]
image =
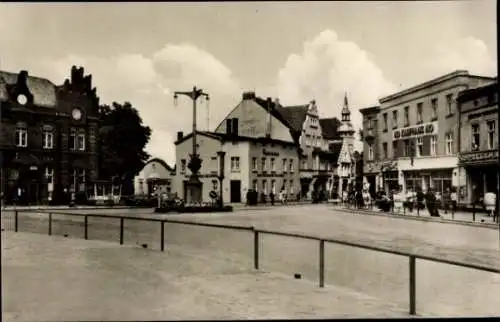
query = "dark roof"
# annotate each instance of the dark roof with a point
(473, 93)
(228, 137)
(43, 90)
(370, 109)
(160, 161)
(329, 128)
(294, 115)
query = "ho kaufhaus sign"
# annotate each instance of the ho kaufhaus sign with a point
(415, 131)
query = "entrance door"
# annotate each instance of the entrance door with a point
(235, 190)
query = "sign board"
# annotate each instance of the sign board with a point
(213, 194)
(33, 168)
(415, 131)
(491, 155)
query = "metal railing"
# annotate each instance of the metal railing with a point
(412, 258)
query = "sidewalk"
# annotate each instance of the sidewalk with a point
(459, 217)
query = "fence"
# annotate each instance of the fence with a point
(412, 258)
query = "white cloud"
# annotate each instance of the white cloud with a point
(325, 70)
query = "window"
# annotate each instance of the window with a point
(419, 112)
(284, 165)
(449, 143)
(263, 164)
(304, 164)
(254, 185)
(449, 104)
(407, 115)
(48, 138)
(291, 166)
(384, 148)
(291, 186)
(273, 164)
(81, 141)
(308, 140)
(433, 144)
(407, 148)
(475, 137)
(284, 187)
(235, 164)
(49, 175)
(21, 135)
(491, 134)
(183, 165)
(369, 124)
(394, 149)
(72, 139)
(81, 180)
(141, 186)
(394, 119)
(254, 164)
(434, 105)
(420, 147)
(273, 186)
(370, 151)
(385, 121)
(264, 186)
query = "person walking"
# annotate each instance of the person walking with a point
(430, 200)
(453, 200)
(446, 200)
(398, 199)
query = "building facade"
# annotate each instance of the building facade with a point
(416, 134)
(371, 149)
(478, 143)
(156, 174)
(48, 137)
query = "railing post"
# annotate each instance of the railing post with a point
(255, 249)
(321, 263)
(16, 221)
(121, 230)
(86, 228)
(474, 211)
(162, 242)
(50, 224)
(412, 286)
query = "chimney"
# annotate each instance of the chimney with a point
(180, 135)
(228, 126)
(268, 107)
(235, 127)
(248, 95)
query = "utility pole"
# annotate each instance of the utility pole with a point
(193, 186)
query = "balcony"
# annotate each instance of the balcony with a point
(369, 134)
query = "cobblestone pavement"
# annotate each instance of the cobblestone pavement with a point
(442, 290)
(61, 279)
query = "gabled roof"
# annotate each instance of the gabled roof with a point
(223, 137)
(43, 90)
(329, 128)
(160, 161)
(294, 115)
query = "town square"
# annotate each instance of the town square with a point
(199, 173)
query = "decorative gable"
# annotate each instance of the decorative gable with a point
(345, 154)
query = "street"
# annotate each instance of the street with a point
(442, 290)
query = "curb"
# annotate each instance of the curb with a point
(426, 218)
(245, 207)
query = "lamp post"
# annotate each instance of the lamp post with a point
(193, 185)
(221, 155)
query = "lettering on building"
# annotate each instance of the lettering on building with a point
(416, 131)
(479, 156)
(270, 153)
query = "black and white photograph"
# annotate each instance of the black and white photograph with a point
(226, 160)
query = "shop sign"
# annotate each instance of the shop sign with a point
(416, 131)
(479, 156)
(270, 153)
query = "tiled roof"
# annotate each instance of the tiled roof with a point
(294, 115)
(160, 161)
(43, 90)
(329, 127)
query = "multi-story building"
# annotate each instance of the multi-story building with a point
(371, 145)
(48, 137)
(417, 131)
(478, 143)
(156, 174)
(260, 153)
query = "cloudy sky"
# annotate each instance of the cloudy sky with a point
(296, 51)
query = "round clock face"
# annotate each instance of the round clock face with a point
(76, 114)
(22, 99)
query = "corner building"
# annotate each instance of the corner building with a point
(478, 158)
(417, 131)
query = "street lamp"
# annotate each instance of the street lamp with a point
(193, 185)
(221, 155)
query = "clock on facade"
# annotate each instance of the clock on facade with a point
(22, 99)
(77, 114)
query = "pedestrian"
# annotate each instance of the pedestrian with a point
(453, 200)
(410, 199)
(490, 202)
(430, 200)
(420, 198)
(446, 200)
(271, 197)
(398, 199)
(281, 197)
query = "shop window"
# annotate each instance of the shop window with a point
(183, 165)
(291, 187)
(48, 138)
(449, 143)
(420, 147)
(235, 164)
(384, 149)
(254, 185)
(394, 119)
(370, 151)
(475, 137)
(407, 115)
(434, 106)
(254, 164)
(419, 112)
(21, 135)
(449, 104)
(433, 145)
(49, 175)
(491, 134)
(385, 122)
(81, 179)
(291, 166)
